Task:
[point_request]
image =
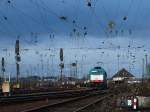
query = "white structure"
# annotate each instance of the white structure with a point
(122, 75)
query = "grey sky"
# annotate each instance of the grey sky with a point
(36, 21)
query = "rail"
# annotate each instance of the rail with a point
(84, 99)
(39, 96)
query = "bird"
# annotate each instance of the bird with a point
(125, 18)
(9, 1)
(63, 18)
(5, 18)
(89, 4)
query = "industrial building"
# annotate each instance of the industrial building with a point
(122, 76)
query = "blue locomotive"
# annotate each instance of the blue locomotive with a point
(97, 78)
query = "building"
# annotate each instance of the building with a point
(122, 76)
(147, 71)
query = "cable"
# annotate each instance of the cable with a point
(137, 14)
(42, 13)
(128, 11)
(31, 17)
(101, 25)
(47, 9)
(5, 19)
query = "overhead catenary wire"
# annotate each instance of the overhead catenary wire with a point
(6, 20)
(63, 19)
(137, 14)
(69, 21)
(42, 13)
(98, 22)
(123, 20)
(7, 6)
(51, 12)
(35, 20)
(22, 13)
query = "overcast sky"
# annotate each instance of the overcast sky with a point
(88, 34)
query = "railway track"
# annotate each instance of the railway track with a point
(86, 107)
(43, 95)
(30, 91)
(72, 105)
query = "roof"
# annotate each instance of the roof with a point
(123, 73)
(98, 69)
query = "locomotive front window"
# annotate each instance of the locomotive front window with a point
(96, 77)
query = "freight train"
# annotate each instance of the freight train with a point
(97, 78)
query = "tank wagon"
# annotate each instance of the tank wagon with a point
(97, 78)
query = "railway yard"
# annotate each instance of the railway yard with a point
(74, 56)
(69, 100)
(62, 102)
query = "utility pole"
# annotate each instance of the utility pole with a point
(146, 64)
(143, 70)
(82, 68)
(118, 56)
(48, 67)
(74, 69)
(3, 69)
(146, 59)
(76, 73)
(70, 69)
(38, 69)
(18, 59)
(61, 63)
(5, 84)
(52, 64)
(42, 68)
(41, 65)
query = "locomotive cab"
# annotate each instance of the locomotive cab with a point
(98, 78)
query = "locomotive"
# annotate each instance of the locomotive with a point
(97, 78)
